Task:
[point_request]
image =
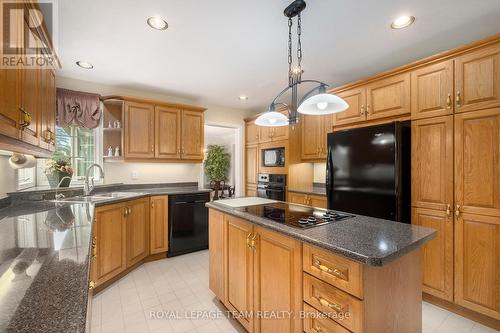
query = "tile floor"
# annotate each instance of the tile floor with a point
(141, 301)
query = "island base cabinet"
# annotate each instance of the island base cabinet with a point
(216, 246)
(277, 282)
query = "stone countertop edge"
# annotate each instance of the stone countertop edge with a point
(349, 254)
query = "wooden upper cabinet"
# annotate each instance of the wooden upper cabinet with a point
(252, 164)
(30, 103)
(356, 98)
(265, 134)
(47, 119)
(311, 127)
(477, 162)
(388, 97)
(216, 257)
(432, 163)
(477, 79)
(139, 130)
(109, 233)
(437, 255)
(240, 271)
(167, 133)
(251, 133)
(159, 224)
(432, 90)
(192, 135)
(277, 281)
(326, 127)
(477, 263)
(137, 230)
(10, 92)
(280, 133)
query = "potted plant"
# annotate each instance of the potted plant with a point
(56, 170)
(217, 165)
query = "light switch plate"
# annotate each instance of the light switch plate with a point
(135, 175)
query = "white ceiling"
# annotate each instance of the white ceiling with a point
(216, 50)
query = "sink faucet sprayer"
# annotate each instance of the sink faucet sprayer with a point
(89, 186)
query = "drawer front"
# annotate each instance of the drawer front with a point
(342, 273)
(316, 322)
(341, 307)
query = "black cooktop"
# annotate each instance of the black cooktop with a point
(295, 215)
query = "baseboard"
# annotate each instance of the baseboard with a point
(464, 312)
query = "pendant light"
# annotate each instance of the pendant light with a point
(317, 101)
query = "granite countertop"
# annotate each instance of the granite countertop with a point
(367, 240)
(44, 258)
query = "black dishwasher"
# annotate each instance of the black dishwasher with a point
(187, 223)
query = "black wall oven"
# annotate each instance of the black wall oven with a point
(272, 186)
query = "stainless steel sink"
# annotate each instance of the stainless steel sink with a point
(98, 197)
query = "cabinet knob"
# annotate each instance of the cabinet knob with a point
(94, 247)
(448, 210)
(152, 148)
(458, 99)
(91, 285)
(457, 211)
(26, 118)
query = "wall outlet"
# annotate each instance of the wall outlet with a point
(135, 175)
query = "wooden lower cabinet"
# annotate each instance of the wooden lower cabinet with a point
(314, 200)
(256, 271)
(158, 224)
(216, 248)
(277, 281)
(477, 263)
(239, 271)
(109, 239)
(437, 255)
(137, 230)
(120, 238)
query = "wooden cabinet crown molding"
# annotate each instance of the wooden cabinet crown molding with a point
(154, 102)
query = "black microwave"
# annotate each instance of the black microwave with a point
(273, 157)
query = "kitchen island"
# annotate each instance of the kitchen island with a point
(357, 274)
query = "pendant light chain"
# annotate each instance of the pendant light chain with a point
(299, 49)
(290, 74)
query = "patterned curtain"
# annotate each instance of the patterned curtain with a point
(78, 107)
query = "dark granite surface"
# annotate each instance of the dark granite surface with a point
(44, 259)
(367, 240)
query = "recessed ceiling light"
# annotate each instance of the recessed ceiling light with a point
(243, 98)
(84, 64)
(402, 22)
(157, 23)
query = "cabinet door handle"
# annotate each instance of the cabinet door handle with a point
(335, 271)
(448, 101)
(152, 148)
(26, 120)
(458, 99)
(91, 285)
(252, 243)
(362, 110)
(152, 204)
(448, 210)
(332, 305)
(367, 108)
(457, 211)
(248, 239)
(94, 247)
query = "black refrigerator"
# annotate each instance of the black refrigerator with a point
(368, 171)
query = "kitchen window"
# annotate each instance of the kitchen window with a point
(83, 148)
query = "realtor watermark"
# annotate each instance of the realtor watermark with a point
(217, 314)
(29, 34)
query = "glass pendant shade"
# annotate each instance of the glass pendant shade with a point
(321, 104)
(272, 119)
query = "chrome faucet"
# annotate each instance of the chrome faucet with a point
(61, 196)
(89, 185)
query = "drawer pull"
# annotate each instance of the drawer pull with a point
(331, 305)
(327, 269)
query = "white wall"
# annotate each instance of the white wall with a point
(158, 172)
(7, 177)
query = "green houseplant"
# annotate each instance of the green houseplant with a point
(217, 164)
